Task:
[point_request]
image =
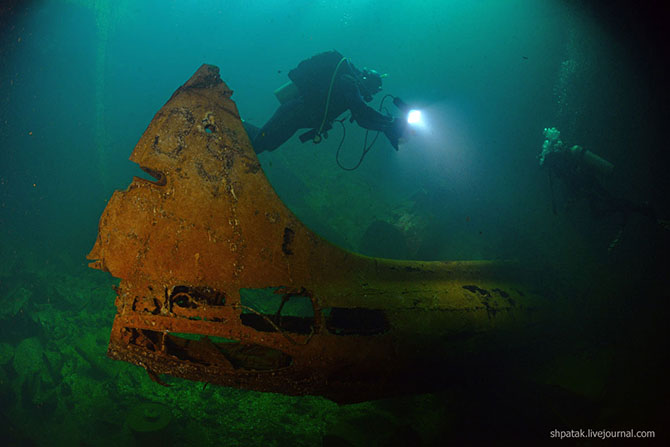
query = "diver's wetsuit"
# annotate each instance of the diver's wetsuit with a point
(306, 111)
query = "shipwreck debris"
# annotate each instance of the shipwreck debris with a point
(221, 283)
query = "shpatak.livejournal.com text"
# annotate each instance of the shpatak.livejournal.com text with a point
(602, 434)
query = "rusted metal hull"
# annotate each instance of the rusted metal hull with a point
(221, 283)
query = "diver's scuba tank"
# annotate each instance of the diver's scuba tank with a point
(591, 161)
(311, 77)
(555, 153)
(287, 92)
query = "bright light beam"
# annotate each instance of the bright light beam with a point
(414, 117)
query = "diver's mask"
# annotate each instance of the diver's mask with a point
(371, 82)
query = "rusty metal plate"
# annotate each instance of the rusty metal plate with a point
(221, 283)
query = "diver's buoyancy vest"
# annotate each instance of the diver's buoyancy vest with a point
(312, 76)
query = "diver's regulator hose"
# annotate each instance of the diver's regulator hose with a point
(317, 136)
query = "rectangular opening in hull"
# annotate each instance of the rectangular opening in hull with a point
(272, 309)
(355, 321)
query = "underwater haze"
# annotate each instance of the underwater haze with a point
(81, 80)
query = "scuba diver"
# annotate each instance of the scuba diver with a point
(321, 89)
(582, 173)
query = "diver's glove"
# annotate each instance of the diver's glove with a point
(395, 130)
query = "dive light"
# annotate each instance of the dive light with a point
(413, 116)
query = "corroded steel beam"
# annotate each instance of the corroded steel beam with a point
(221, 283)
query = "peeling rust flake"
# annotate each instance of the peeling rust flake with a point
(232, 289)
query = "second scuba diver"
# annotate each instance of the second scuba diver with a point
(583, 173)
